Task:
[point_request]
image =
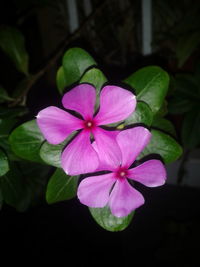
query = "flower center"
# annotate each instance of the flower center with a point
(121, 173)
(89, 124)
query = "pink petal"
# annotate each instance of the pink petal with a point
(116, 104)
(131, 143)
(108, 150)
(81, 99)
(56, 124)
(103, 165)
(94, 191)
(151, 173)
(124, 199)
(79, 156)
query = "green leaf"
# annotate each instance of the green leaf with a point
(106, 220)
(24, 184)
(75, 62)
(13, 44)
(164, 125)
(51, 154)
(142, 114)
(61, 187)
(4, 95)
(26, 140)
(6, 126)
(164, 145)
(151, 85)
(95, 77)
(35, 180)
(191, 129)
(13, 189)
(163, 109)
(4, 166)
(61, 80)
(186, 45)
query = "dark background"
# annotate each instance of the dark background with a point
(165, 231)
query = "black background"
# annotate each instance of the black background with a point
(165, 231)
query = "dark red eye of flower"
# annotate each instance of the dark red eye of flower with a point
(89, 124)
(121, 173)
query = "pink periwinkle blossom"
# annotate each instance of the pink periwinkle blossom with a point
(113, 189)
(80, 157)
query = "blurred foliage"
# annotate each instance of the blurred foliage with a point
(184, 101)
(12, 43)
(176, 27)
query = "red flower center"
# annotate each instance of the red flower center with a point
(89, 124)
(121, 173)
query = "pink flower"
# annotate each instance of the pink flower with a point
(79, 157)
(113, 188)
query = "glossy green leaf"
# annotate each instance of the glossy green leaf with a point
(51, 154)
(4, 95)
(164, 145)
(163, 109)
(13, 44)
(75, 62)
(4, 166)
(164, 125)
(95, 77)
(61, 187)
(26, 140)
(142, 114)
(61, 80)
(151, 85)
(106, 220)
(191, 129)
